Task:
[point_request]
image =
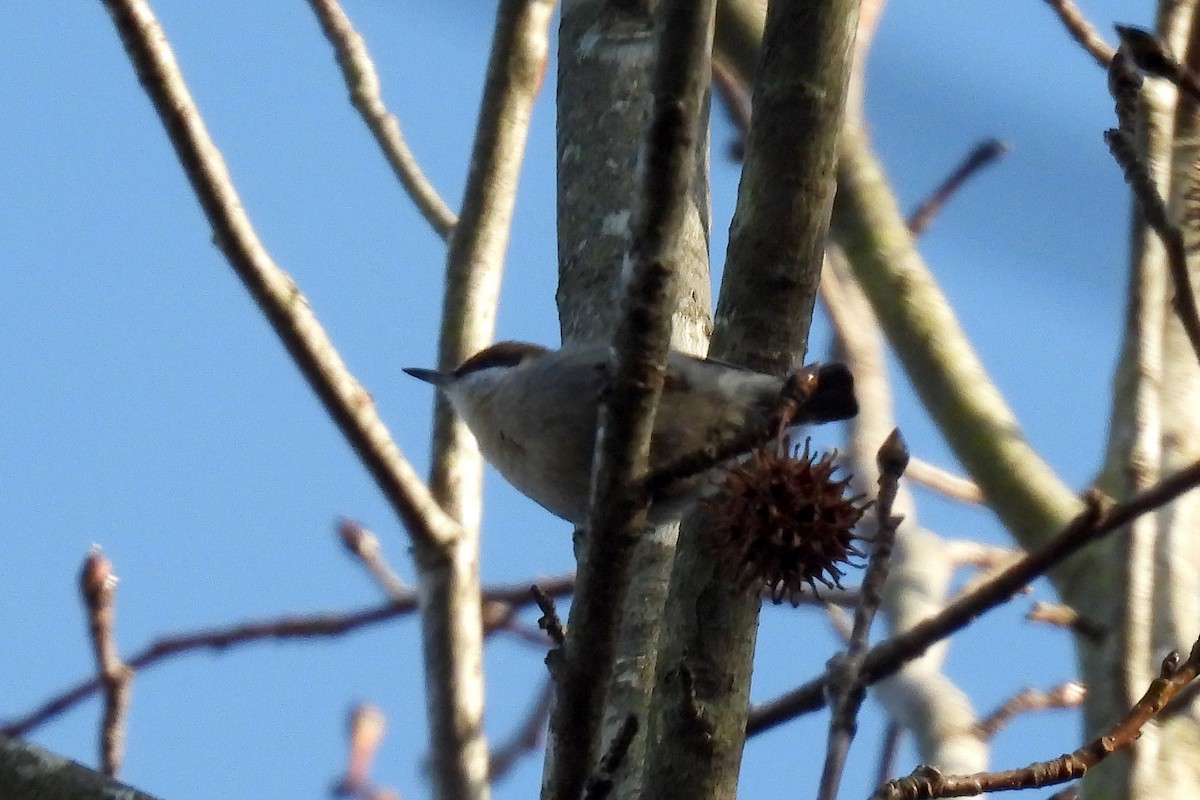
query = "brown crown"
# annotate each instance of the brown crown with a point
(500, 354)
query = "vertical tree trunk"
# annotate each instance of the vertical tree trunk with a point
(777, 241)
(605, 64)
(1155, 429)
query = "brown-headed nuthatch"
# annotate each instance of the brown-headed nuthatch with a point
(534, 413)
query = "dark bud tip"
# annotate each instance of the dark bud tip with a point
(893, 456)
(96, 579)
(353, 535)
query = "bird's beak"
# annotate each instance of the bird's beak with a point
(438, 379)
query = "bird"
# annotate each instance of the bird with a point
(534, 410)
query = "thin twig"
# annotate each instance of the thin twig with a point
(474, 265)
(364, 545)
(735, 98)
(299, 626)
(98, 585)
(1068, 694)
(981, 155)
(549, 621)
(1082, 31)
(1156, 214)
(1066, 617)
(1149, 54)
(1096, 521)
(640, 345)
(475, 256)
(967, 552)
(364, 733)
(944, 481)
(928, 782)
(846, 686)
(347, 402)
(911, 701)
(889, 748)
(526, 739)
(363, 82)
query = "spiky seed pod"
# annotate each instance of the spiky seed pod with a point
(782, 520)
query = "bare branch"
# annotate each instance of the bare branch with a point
(982, 155)
(474, 265)
(1021, 487)
(928, 782)
(846, 685)
(273, 289)
(363, 82)
(773, 262)
(626, 420)
(28, 771)
(1154, 210)
(1095, 522)
(98, 585)
(475, 258)
(1082, 31)
(297, 626)
(364, 733)
(944, 481)
(527, 738)
(364, 546)
(453, 604)
(888, 750)
(1066, 617)
(922, 700)
(1068, 694)
(549, 621)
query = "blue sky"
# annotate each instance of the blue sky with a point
(147, 407)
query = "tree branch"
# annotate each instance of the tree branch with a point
(474, 264)
(296, 626)
(1095, 522)
(927, 782)
(27, 770)
(363, 82)
(98, 585)
(777, 242)
(847, 688)
(1082, 31)
(277, 295)
(640, 348)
